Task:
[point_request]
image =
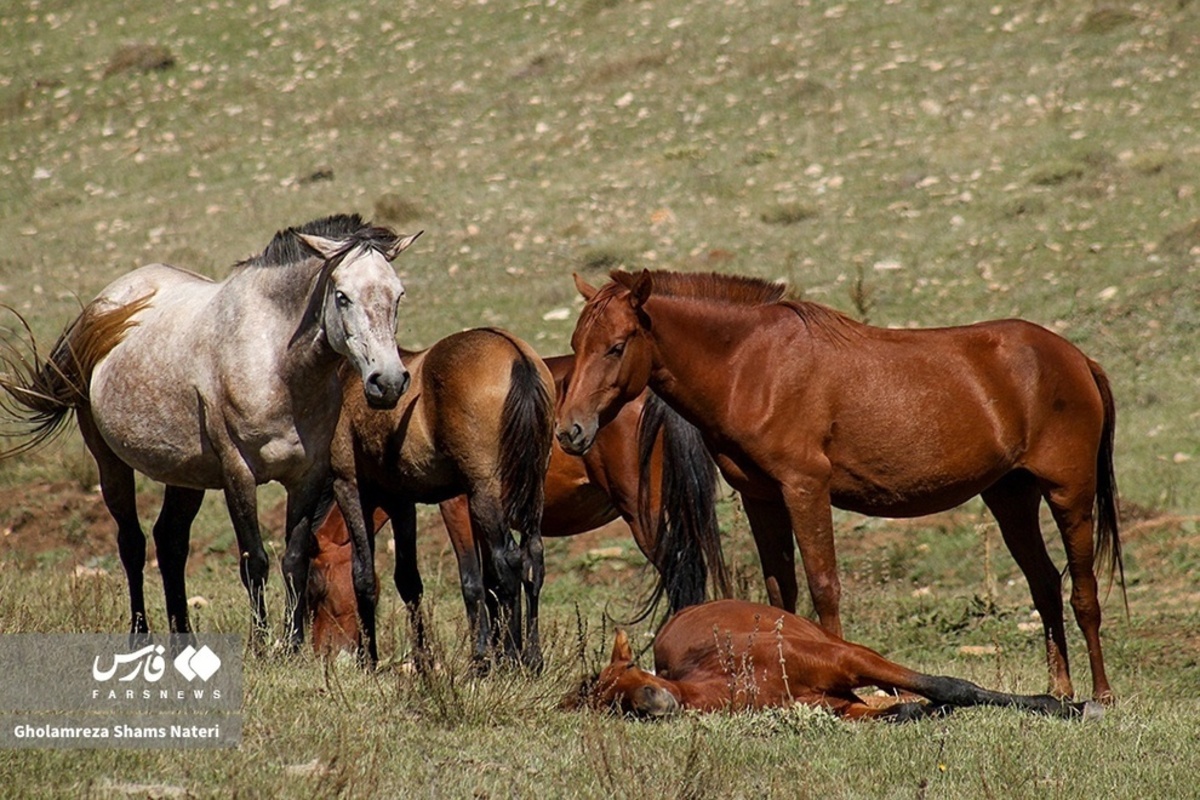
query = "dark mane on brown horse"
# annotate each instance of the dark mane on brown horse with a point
(712, 286)
(737, 290)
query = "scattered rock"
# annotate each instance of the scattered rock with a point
(311, 769)
(606, 552)
(979, 649)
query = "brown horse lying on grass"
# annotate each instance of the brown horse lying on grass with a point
(732, 655)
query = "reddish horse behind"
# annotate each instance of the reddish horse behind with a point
(730, 655)
(806, 409)
(649, 467)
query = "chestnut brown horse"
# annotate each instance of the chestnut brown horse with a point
(806, 409)
(478, 420)
(731, 655)
(648, 467)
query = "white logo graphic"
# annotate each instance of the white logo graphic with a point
(150, 664)
(148, 661)
(193, 663)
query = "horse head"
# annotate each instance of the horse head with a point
(361, 300)
(624, 687)
(612, 357)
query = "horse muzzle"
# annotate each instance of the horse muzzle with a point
(654, 702)
(383, 390)
(576, 439)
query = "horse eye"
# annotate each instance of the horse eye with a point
(616, 350)
(342, 299)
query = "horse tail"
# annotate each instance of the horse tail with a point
(687, 544)
(1108, 538)
(526, 434)
(41, 394)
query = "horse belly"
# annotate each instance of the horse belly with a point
(582, 509)
(913, 463)
(897, 494)
(150, 419)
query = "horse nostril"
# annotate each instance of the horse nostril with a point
(405, 381)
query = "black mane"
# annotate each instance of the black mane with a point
(287, 247)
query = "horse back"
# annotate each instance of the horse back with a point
(712, 636)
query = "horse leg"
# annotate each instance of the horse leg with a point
(533, 575)
(172, 533)
(457, 516)
(503, 565)
(120, 497)
(772, 529)
(855, 666)
(1014, 502)
(242, 501)
(307, 503)
(357, 508)
(1072, 510)
(407, 575)
(811, 517)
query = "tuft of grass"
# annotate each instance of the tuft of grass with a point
(139, 57)
(788, 213)
(1183, 240)
(1106, 19)
(393, 209)
(604, 259)
(1056, 173)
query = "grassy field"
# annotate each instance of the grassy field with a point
(909, 162)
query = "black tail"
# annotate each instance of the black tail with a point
(686, 545)
(39, 395)
(525, 439)
(1108, 537)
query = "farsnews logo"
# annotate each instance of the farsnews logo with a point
(193, 663)
(148, 662)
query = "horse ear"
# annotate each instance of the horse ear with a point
(640, 290)
(325, 248)
(586, 289)
(621, 650)
(401, 245)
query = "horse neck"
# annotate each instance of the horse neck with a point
(295, 293)
(706, 691)
(693, 347)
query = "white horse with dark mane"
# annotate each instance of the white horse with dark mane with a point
(221, 385)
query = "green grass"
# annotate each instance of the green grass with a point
(916, 162)
(314, 729)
